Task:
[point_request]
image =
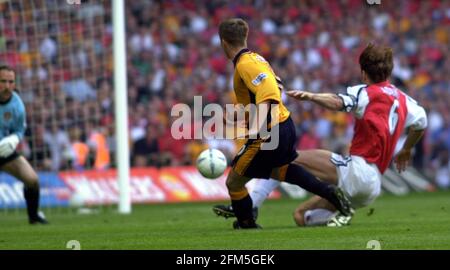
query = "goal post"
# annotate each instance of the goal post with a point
(121, 110)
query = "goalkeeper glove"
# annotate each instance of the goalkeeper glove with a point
(8, 145)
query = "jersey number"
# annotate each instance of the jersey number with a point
(393, 117)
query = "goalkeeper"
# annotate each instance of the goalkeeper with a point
(12, 129)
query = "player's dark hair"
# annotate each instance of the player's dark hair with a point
(5, 67)
(234, 31)
(377, 62)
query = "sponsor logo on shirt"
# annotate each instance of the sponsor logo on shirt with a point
(257, 81)
(7, 116)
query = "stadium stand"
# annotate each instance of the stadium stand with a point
(174, 55)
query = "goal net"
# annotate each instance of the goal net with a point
(61, 51)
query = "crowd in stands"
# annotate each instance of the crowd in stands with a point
(174, 53)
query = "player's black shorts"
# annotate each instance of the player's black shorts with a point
(9, 158)
(253, 162)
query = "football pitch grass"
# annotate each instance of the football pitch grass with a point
(414, 221)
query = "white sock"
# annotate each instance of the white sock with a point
(317, 217)
(261, 191)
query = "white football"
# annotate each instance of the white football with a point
(211, 163)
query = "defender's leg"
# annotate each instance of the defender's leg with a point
(323, 211)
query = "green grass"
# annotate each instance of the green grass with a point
(415, 221)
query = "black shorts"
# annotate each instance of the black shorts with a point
(9, 158)
(253, 162)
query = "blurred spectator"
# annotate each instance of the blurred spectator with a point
(78, 88)
(40, 154)
(59, 145)
(172, 150)
(145, 151)
(97, 141)
(309, 140)
(79, 150)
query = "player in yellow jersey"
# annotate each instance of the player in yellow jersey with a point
(255, 83)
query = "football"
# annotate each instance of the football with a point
(211, 163)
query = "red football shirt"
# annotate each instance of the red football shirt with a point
(376, 133)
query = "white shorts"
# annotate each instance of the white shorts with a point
(360, 181)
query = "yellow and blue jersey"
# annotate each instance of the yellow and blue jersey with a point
(255, 82)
